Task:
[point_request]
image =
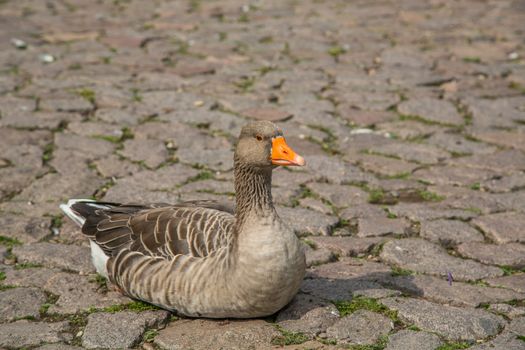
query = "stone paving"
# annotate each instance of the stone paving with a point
(411, 117)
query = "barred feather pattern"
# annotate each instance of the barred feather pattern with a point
(202, 258)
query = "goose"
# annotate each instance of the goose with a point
(204, 258)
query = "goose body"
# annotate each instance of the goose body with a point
(203, 258)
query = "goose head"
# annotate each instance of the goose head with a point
(262, 145)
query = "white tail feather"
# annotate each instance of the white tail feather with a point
(66, 208)
(99, 259)
(79, 220)
(97, 254)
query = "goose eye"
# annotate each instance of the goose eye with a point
(259, 137)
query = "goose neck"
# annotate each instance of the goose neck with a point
(253, 192)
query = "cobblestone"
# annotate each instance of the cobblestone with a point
(425, 257)
(451, 322)
(412, 340)
(361, 328)
(20, 303)
(119, 330)
(410, 119)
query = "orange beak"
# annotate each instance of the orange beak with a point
(282, 154)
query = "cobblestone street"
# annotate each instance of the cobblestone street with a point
(410, 116)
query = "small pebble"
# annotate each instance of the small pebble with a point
(19, 44)
(361, 131)
(46, 58)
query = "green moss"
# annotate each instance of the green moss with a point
(397, 271)
(376, 249)
(203, 175)
(135, 95)
(509, 270)
(87, 94)
(135, 306)
(194, 5)
(99, 280)
(336, 51)
(140, 306)
(401, 176)
(484, 306)
(515, 303)
(475, 186)
(243, 18)
(454, 346)
(459, 154)
(517, 86)
(125, 135)
(56, 221)
(44, 308)
(266, 39)
(414, 328)
(328, 142)
(109, 138)
(9, 242)
(28, 265)
(306, 192)
(47, 154)
(183, 48)
(430, 196)
(289, 338)
(521, 337)
(422, 120)
(474, 210)
(308, 242)
(75, 66)
(265, 70)
(376, 196)
(389, 214)
(472, 59)
(327, 341)
(29, 318)
(379, 345)
(245, 83)
(150, 335)
(77, 323)
(364, 303)
(5, 287)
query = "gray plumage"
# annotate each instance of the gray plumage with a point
(203, 258)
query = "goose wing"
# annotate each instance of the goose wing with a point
(194, 228)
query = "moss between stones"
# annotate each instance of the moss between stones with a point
(509, 270)
(430, 196)
(398, 271)
(150, 335)
(135, 306)
(379, 345)
(363, 303)
(27, 265)
(376, 196)
(9, 242)
(289, 338)
(87, 94)
(454, 346)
